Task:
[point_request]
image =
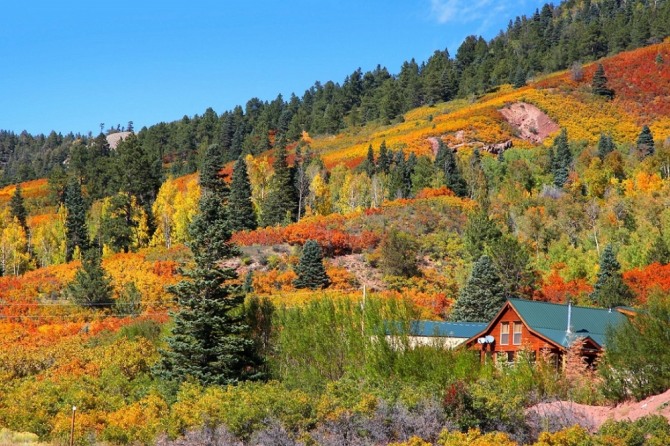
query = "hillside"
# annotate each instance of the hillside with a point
(544, 180)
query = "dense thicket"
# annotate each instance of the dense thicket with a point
(553, 38)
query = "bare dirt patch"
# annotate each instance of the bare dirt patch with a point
(532, 123)
(366, 276)
(597, 415)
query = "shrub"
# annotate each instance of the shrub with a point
(636, 361)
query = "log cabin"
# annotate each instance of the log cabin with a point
(542, 329)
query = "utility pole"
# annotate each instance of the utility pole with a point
(74, 410)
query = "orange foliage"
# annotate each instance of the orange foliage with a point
(645, 280)
(29, 189)
(432, 193)
(557, 290)
(328, 231)
(641, 85)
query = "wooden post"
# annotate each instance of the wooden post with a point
(74, 410)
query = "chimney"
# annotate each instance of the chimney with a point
(569, 329)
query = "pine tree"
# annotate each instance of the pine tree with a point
(480, 233)
(281, 204)
(520, 78)
(599, 83)
(659, 253)
(368, 165)
(311, 272)
(242, 215)
(645, 142)
(210, 340)
(17, 208)
(210, 171)
(610, 290)
(482, 296)
(76, 233)
(445, 160)
(562, 159)
(118, 222)
(605, 146)
(91, 286)
(384, 160)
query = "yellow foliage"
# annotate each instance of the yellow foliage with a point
(474, 438)
(139, 422)
(414, 441)
(572, 436)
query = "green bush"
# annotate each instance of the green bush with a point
(637, 360)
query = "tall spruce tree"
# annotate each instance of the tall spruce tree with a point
(385, 159)
(210, 340)
(645, 142)
(368, 165)
(311, 272)
(281, 204)
(91, 287)
(242, 215)
(76, 233)
(17, 208)
(605, 146)
(599, 83)
(482, 296)
(210, 170)
(445, 160)
(562, 159)
(610, 290)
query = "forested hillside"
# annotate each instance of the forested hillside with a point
(552, 39)
(201, 280)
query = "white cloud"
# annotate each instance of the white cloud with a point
(467, 11)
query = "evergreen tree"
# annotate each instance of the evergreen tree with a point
(599, 83)
(645, 142)
(281, 203)
(384, 160)
(659, 253)
(445, 160)
(311, 272)
(482, 296)
(138, 170)
(368, 165)
(17, 208)
(513, 263)
(91, 286)
(210, 171)
(117, 223)
(562, 159)
(610, 290)
(210, 340)
(520, 78)
(480, 232)
(76, 233)
(242, 215)
(605, 146)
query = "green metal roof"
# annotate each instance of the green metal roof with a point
(551, 320)
(464, 330)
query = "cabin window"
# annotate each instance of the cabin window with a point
(504, 333)
(517, 333)
(510, 356)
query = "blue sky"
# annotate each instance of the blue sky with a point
(70, 65)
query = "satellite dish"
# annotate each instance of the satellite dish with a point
(489, 339)
(481, 340)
